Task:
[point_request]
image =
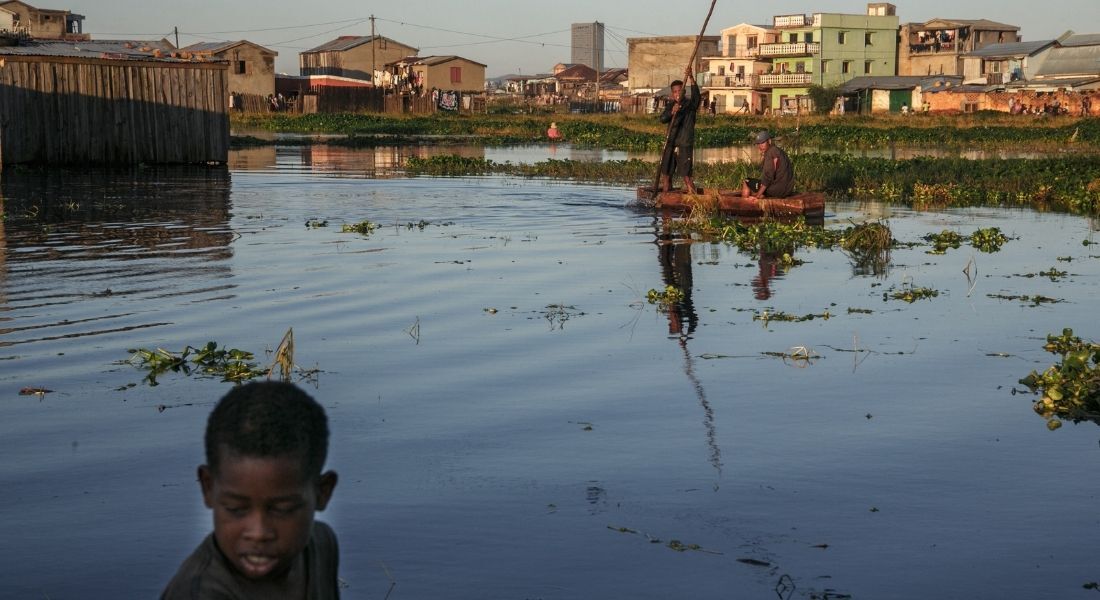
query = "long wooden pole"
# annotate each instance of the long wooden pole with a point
(671, 128)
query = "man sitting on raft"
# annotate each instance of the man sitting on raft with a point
(777, 179)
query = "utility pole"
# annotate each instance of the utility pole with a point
(373, 66)
(176, 30)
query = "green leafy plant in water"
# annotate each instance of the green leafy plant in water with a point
(768, 316)
(230, 364)
(1035, 300)
(989, 239)
(911, 293)
(363, 227)
(943, 241)
(664, 299)
(1069, 389)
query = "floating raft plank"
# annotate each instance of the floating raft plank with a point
(806, 204)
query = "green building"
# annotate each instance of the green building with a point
(828, 49)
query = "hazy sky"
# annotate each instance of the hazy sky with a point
(513, 36)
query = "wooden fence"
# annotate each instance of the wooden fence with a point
(85, 111)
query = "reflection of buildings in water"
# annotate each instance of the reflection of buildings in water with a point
(381, 162)
(260, 158)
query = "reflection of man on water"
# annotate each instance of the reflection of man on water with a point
(680, 113)
(675, 257)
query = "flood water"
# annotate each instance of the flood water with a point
(503, 400)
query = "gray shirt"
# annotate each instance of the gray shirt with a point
(778, 173)
(207, 575)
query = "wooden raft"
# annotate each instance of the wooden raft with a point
(805, 204)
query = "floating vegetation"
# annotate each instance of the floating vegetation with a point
(34, 391)
(768, 316)
(868, 245)
(801, 355)
(316, 223)
(989, 239)
(1053, 273)
(910, 293)
(363, 227)
(230, 364)
(1069, 389)
(676, 545)
(859, 311)
(1035, 300)
(943, 241)
(558, 314)
(666, 298)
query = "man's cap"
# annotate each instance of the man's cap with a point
(763, 136)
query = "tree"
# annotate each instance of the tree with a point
(824, 98)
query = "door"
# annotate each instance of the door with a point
(899, 97)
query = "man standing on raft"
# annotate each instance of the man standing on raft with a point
(680, 113)
(777, 178)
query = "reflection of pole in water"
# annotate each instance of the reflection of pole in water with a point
(675, 257)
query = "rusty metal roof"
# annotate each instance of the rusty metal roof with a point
(107, 49)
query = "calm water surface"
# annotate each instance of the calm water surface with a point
(497, 453)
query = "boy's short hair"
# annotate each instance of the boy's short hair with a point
(268, 419)
(676, 83)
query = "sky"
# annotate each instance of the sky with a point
(513, 36)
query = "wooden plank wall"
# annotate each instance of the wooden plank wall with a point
(77, 111)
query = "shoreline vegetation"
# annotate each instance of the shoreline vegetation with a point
(645, 133)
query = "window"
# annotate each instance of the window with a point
(869, 38)
(842, 38)
(721, 71)
(846, 67)
(800, 67)
(809, 37)
(456, 74)
(751, 42)
(825, 66)
(792, 38)
(240, 67)
(867, 66)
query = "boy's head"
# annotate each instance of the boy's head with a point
(266, 444)
(676, 89)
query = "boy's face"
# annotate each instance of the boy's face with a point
(677, 91)
(263, 510)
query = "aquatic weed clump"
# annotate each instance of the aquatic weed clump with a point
(1069, 389)
(666, 298)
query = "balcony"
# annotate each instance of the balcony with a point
(786, 79)
(732, 81)
(802, 49)
(791, 21)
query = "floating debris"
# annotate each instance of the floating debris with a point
(665, 299)
(1069, 389)
(363, 227)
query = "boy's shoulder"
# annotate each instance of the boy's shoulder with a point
(206, 575)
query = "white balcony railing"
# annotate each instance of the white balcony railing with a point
(732, 81)
(791, 21)
(790, 49)
(783, 79)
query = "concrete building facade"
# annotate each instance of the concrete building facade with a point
(251, 66)
(937, 47)
(732, 77)
(45, 23)
(655, 62)
(587, 46)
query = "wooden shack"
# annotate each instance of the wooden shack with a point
(61, 105)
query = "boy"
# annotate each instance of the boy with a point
(679, 113)
(266, 444)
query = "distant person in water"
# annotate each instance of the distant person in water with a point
(777, 173)
(680, 111)
(553, 133)
(266, 444)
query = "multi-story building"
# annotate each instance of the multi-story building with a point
(827, 49)
(937, 47)
(45, 23)
(588, 45)
(353, 57)
(251, 66)
(732, 78)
